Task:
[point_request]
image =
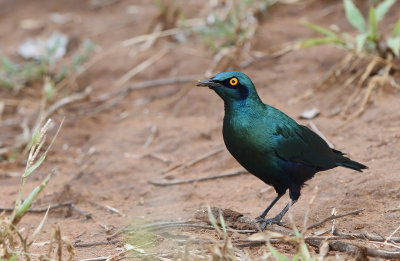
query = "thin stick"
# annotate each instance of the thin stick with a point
(145, 37)
(149, 140)
(178, 182)
(183, 224)
(193, 162)
(369, 237)
(142, 66)
(355, 212)
(287, 48)
(58, 205)
(174, 224)
(95, 243)
(353, 249)
(150, 84)
(111, 99)
(203, 157)
(391, 235)
(100, 258)
(114, 48)
(65, 101)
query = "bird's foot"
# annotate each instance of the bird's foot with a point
(269, 221)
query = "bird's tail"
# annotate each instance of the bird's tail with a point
(351, 164)
(348, 163)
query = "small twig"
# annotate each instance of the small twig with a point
(390, 237)
(333, 222)
(58, 205)
(65, 101)
(175, 224)
(183, 224)
(108, 208)
(145, 37)
(356, 250)
(149, 140)
(100, 258)
(149, 84)
(113, 210)
(355, 212)
(366, 236)
(142, 66)
(178, 182)
(203, 157)
(95, 243)
(193, 162)
(287, 48)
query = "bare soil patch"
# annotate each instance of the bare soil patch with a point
(106, 159)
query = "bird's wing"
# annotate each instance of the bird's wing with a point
(298, 143)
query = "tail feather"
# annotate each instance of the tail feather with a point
(348, 163)
(352, 165)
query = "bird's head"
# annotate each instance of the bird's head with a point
(231, 86)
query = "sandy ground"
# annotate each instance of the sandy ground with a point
(106, 159)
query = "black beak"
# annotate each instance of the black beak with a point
(208, 83)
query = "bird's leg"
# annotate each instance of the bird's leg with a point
(265, 212)
(277, 218)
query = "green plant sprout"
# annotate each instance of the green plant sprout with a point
(16, 76)
(10, 249)
(368, 37)
(373, 59)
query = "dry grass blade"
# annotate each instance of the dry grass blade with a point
(375, 81)
(149, 84)
(142, 66)
(179, 182)
(366, 236)
(96, 243)
(390, 237)
(194, 161)
(333, 217)
(145, 37)
(39, 227)
(67, 100)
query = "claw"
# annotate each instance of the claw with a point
(268, 221)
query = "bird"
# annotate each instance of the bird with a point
(269, 144)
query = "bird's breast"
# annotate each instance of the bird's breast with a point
(248, 143)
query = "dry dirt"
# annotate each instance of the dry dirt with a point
(103, 160)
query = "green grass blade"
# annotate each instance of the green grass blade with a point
(6, 83)
(34, 166)
(296, 257)
(321, 40)
(8, 65)
(222, 222)
(394, 44)
(354, 16)
(360, 40)
(373, 25)
(396, 30)
(213, 221)
(304, 251)
(320, 29)
(35, 137)
(23, 208)
(13, 258)
(383, 7)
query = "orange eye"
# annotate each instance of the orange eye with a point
(233, 81)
